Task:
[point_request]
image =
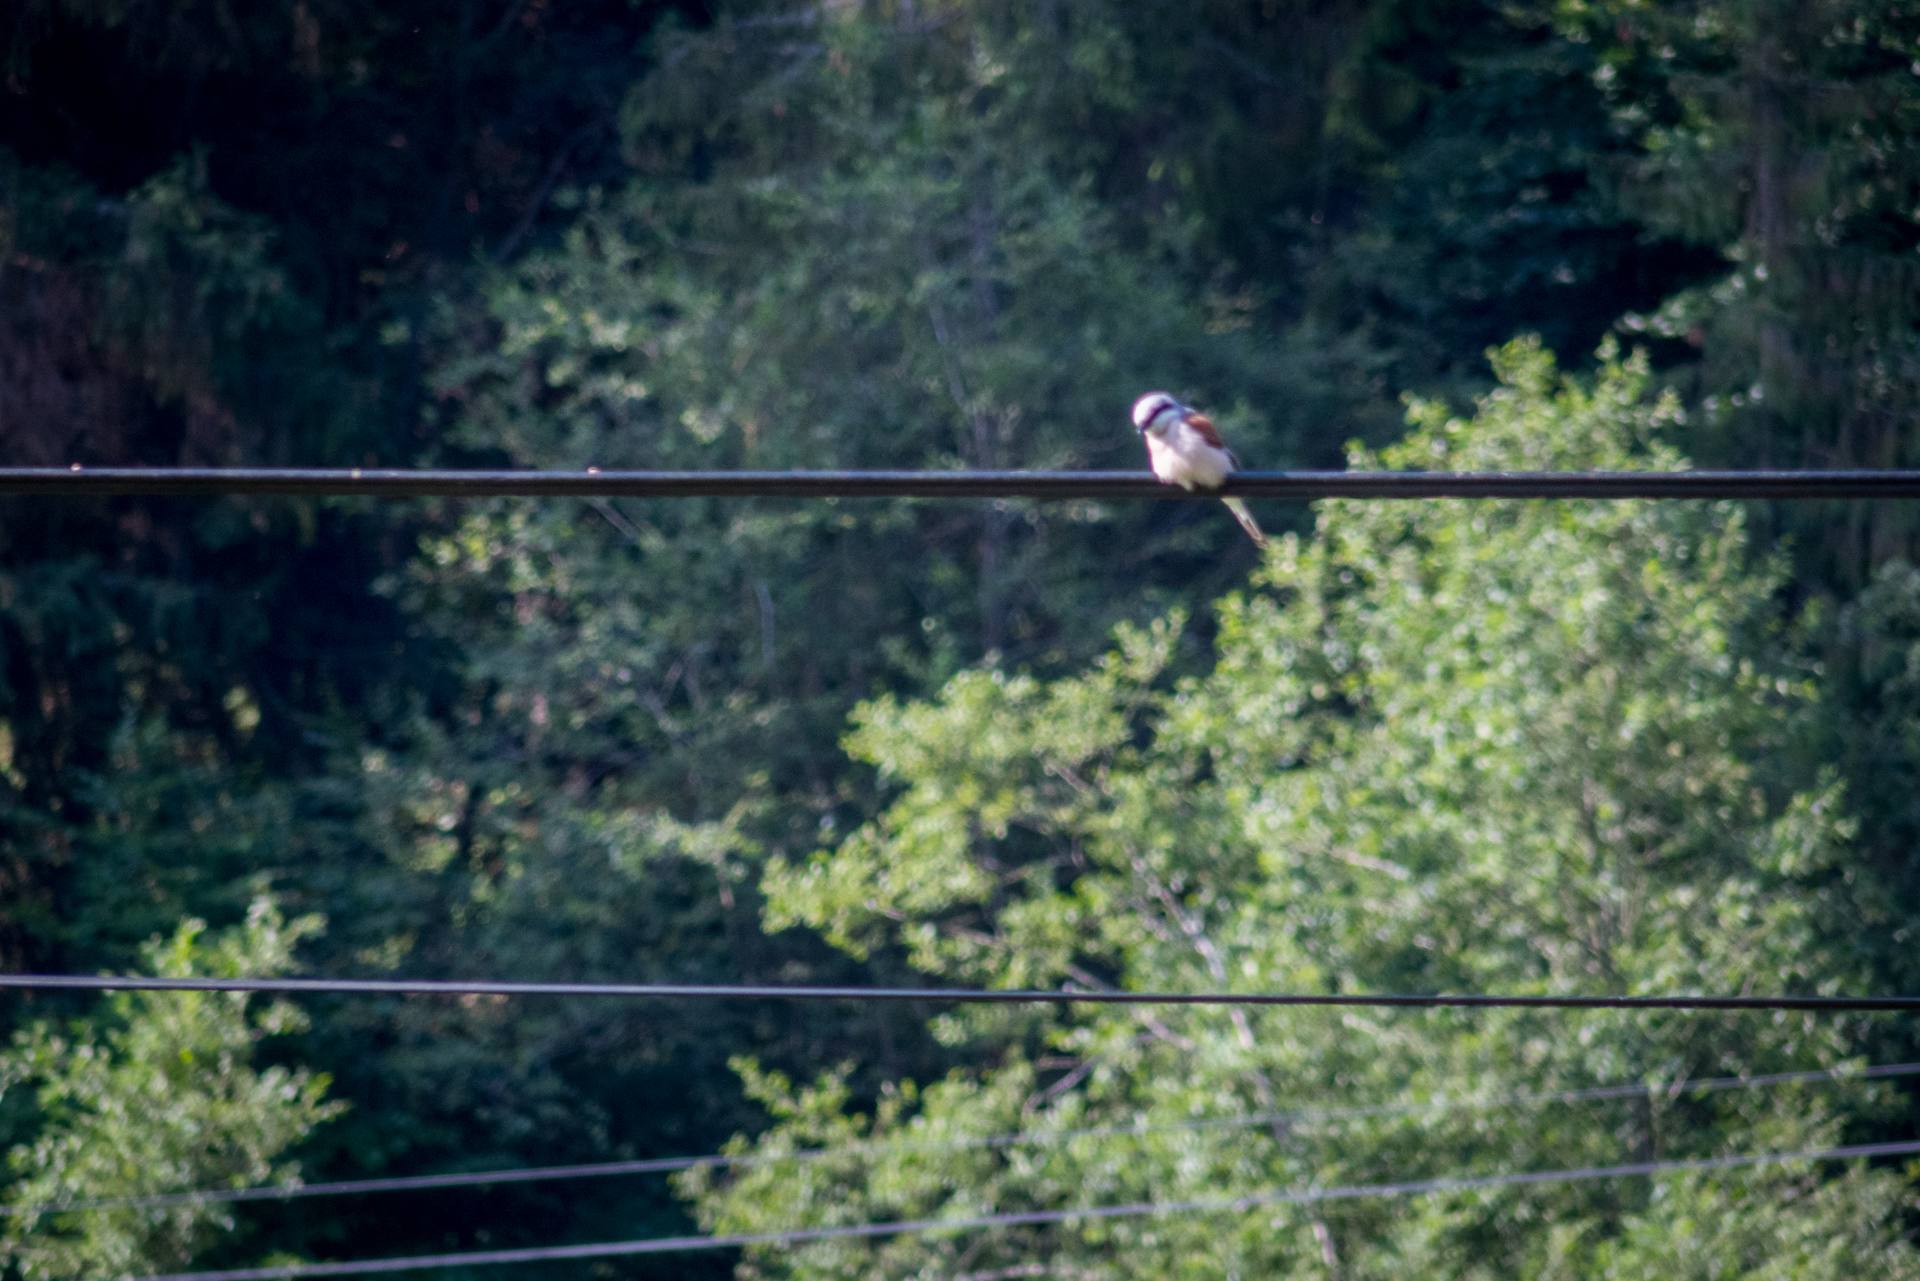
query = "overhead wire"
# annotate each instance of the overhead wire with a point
(1137, 1209)
(1025, 1138)
(1299, 486)
(992, 996)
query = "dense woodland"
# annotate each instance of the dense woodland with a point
(1568, 747)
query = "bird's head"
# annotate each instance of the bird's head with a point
(1152, 408)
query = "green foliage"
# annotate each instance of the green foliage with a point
(1783, 134)
(914, 273)
(159, 1096)
(1461, 746)
(166, 300)
(1483, 156)
(1873, 702)
(565, 740)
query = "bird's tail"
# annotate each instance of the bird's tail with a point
(1247, 522)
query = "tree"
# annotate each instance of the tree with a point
(1460, 746)
(562, 741)
(158, 1095)
(1478, 158)
(1783, 135)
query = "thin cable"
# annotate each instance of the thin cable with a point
(670, 1164)
(800, 1236)
(1298, 486)
(993, 996)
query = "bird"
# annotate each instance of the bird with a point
(1185, 449)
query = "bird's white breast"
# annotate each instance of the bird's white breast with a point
(1181, 456)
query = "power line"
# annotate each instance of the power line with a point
(670, 1164)
(1138, 1209)
(1298, 486)
(992, 996)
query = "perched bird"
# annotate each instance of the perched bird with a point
(1186, 450)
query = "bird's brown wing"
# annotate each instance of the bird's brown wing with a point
(1211, 434)
(1208, 432)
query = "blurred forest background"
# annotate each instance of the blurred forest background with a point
(1502, 747)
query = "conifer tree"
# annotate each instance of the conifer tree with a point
(1783, 134)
